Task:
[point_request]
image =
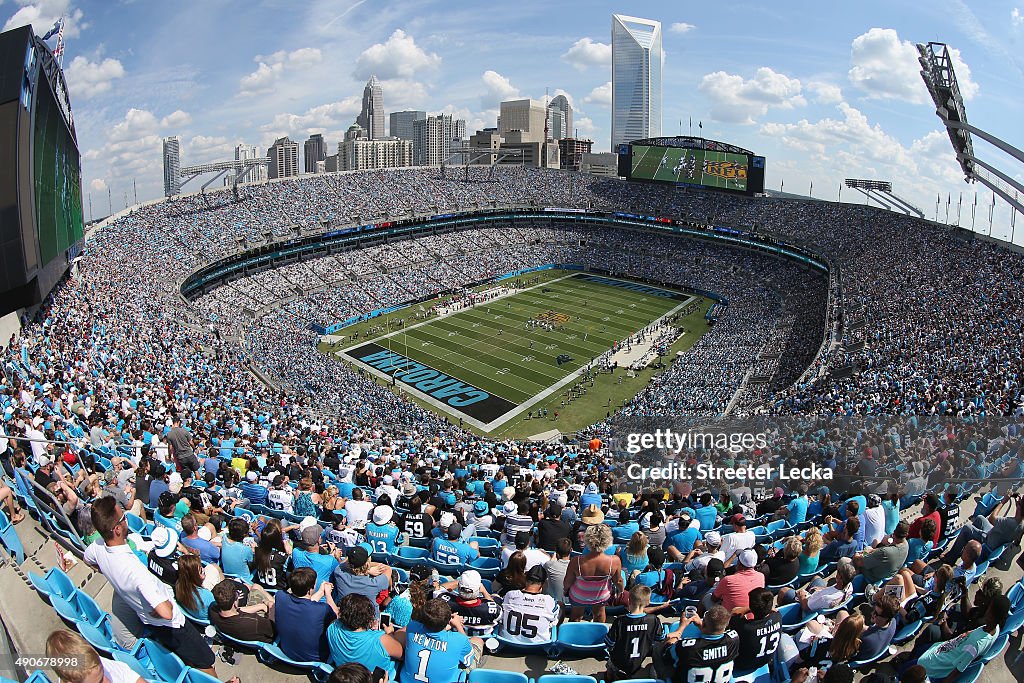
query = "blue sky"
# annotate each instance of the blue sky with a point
(824, 92)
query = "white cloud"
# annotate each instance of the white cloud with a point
(271, 67)
(1016, 18)
(585, 125)
(398, 57)
(834, 145)
(825, 93)
(497, 89)
(401, 93)
(738, 100)
(98, 185)
(137, 123)
(681, 27)
(42, 15)
(885, 67)
(325, 116)
(176, 119)
(206, 147)
(87, 79)
(585, 53)
(601, 95)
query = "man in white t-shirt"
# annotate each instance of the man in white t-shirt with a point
(528, 615)
(534, 556)
(151, 599)
(739, 539)
(357, 510)
(873, 520)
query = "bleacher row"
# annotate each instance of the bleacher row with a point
(154, 663)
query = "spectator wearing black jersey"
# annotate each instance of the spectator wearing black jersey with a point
(759, 629)
(631, 638)
(714, 651)
(468, 597)
(416, 524)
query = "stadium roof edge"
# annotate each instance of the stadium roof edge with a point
(691, 142)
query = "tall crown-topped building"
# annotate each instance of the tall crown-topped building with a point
(371, 118)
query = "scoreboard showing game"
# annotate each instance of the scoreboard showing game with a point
(694, 162)
(41, 222)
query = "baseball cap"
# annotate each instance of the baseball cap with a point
(357, 556)
(165, 541)
(44, 460)
(251, 476)
(306, 522)
(748, 557)
(311, 534)
(509, 492)
(447, 519)
(469, 582)
(382, 515)
(738, 519)
(779, 492)
(537, 574)
(408, 489)
(713, 538)
(591, 488)
(480, 507)
(454, 530)
(174, 483)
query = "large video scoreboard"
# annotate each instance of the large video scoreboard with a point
(41, 222)
(694, 162)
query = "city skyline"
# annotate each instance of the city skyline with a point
(823, 94)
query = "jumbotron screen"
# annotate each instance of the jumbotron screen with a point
(722, 170)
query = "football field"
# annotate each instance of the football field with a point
(677, 165)
(488, 363)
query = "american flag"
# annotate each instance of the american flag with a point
(58, 51)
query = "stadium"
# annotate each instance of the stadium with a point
(373, 421)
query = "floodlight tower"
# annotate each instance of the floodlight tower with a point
(937, 72)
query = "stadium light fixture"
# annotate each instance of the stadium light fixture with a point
(881, 192)
(940, 79)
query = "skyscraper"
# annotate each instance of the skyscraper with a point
(401, 123)
(284, 158)
(561, 103)
(257, 173)
(527, 116)
(313, 151)
(371, 118)
(637, 62)
(556, 124)
(356, 153)
(433, 136)
(172, 166)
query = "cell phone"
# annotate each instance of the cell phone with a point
(385, 621)
(379, 675)
(812, 673)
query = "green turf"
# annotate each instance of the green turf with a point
(489, 346)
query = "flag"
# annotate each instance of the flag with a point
(700, 124)
(949, 198)
(53, 30)
(59, 50)
(975, 198)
